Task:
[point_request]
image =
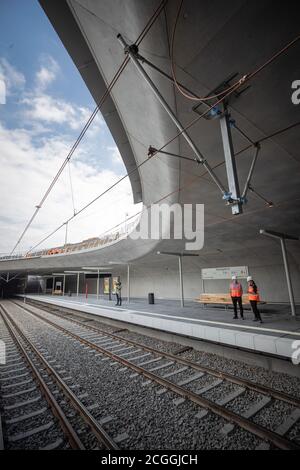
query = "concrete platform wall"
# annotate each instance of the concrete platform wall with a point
(272, 285)
(164, 282)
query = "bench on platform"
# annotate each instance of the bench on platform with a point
(57, 292)
(221, 299)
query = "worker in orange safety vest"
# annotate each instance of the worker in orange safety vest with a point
(236, 292)
(254, 298)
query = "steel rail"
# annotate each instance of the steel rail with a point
(1, 435)
(263, 389)
(95, 427)
(65, 424)
(228, 415)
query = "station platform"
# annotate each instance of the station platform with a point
(275, 337)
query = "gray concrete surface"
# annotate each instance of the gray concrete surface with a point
(275, 337)
(211, 44)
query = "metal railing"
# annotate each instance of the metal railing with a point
(106, 239)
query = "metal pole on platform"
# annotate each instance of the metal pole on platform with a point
(64, 284)
(128, 283)
(78, 279)
(181, 281)
(109, 287)
(98, 284)
(283, 237)
(130, 51)
(180, 256)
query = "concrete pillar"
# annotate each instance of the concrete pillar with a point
(110, 288)
(78, 279)
(128, 283)
(98, 285)
(181, 281)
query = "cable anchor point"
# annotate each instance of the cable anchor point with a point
(151, 151)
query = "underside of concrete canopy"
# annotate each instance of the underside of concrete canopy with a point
(212, 45)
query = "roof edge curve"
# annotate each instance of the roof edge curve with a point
(74, 42)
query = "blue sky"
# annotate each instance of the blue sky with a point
(25, 35)
(47, 104)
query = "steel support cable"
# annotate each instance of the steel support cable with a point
(268, 137)
(195, 178)
(189, 125)
(71, 152)
(191, 181)
(108, 231)
(151, 21)
(143, 33)
(238, 85)
(260, 141)
(240, 82)
(71, 187)
(88, 205)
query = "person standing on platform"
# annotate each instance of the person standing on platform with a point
(118, 286)
(236, 292)
(254, 298)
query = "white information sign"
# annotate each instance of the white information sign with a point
(241, 272)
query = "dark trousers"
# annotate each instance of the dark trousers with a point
(119, 299)
(255, 310)
(238, 301)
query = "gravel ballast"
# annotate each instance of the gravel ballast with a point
(136, 413)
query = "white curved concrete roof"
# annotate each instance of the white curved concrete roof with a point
(212, 42)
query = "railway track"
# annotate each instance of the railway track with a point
(38, 404)
(189, 380)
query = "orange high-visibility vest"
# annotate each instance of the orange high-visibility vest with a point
(236, 290)
(252, 295)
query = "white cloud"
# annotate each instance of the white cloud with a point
(13, 79)
(28, 170)
(115, 154)
(47, 73)
(2, 90)
(31, 155)
(43, 108)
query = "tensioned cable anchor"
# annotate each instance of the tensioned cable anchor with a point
(153, 151)
(269, 204)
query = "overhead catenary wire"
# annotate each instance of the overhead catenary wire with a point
(268, 137)
(187, 95)
(179, 189)
(250, 76)
(141, 36)
(71, 187)
(190, 124)
(89, 204)
(71, 152)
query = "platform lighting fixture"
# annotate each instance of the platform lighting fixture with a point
(65, 273)
(73, 272)
(95, 268)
